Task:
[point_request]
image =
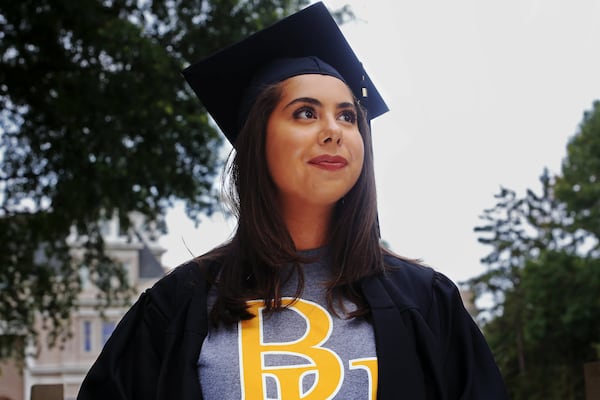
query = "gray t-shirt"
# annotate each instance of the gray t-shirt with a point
(303, 352)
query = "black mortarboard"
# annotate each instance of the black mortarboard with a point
(306, 42)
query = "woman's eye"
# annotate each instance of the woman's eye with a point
(348, 116)
(305, 113)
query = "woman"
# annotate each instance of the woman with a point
(303, 302)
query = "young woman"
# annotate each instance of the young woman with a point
(303, 302)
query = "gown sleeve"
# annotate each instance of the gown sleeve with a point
(428, 345)
(128, 366)
(467, 366)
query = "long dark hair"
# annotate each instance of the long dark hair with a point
(251, 263)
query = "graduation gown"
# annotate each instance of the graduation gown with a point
(428, 346)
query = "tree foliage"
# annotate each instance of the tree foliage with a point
(579, 185)
(549, 328)
(518, 229)
(96, 119)
(544, 274)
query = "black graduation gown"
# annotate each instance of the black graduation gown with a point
(428, 346)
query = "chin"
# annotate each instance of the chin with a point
(328, 200)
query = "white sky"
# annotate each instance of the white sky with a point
(482, 94)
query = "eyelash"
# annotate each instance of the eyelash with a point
(349, 115)
(299, 113)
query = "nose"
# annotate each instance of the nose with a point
(331, 132)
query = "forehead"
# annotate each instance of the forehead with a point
(315, 85)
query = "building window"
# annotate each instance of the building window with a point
(84, 276)
(87, 336)
(107, 329)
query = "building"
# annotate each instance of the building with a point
(56, 374)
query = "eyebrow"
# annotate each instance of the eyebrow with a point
(316, 102)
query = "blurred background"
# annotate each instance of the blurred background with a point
(481, 95)
(487, 168)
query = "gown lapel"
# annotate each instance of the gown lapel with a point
(400, 373)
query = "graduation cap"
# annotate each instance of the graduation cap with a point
(309, 41)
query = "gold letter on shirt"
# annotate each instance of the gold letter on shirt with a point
(370, 366)
(323, 363)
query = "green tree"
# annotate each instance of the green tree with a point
(549, 327)
(518, 229)
(563, 309)
(544, 274)
(96, 119)
(579, 185)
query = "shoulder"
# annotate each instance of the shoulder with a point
(183, 276)
(413, 285)
(178, 286)
(406, 271)
(417, 273)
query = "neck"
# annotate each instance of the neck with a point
(308, 224)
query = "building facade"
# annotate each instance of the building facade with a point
(56, 374)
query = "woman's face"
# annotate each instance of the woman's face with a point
(314, 149)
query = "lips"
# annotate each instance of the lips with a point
(329, 162)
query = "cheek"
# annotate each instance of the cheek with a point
(280, 150)
(283, 164)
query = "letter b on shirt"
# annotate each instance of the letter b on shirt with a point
(323, 363)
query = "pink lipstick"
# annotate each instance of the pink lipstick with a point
(328, 162)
